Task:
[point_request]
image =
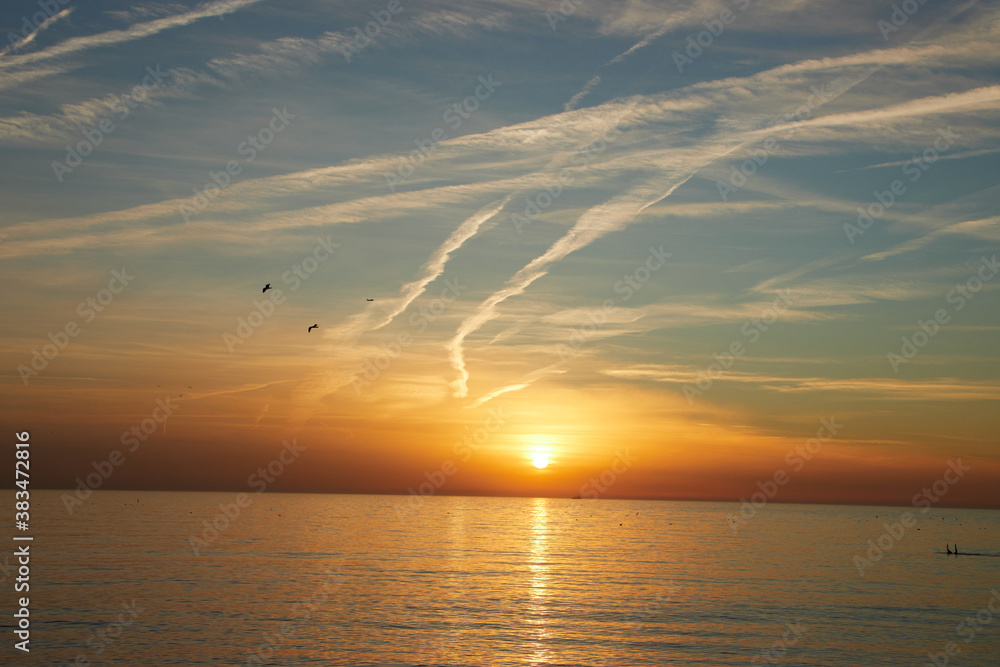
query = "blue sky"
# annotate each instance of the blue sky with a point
(569, 148)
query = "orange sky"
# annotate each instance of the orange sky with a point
(689, 266)
(610, 441)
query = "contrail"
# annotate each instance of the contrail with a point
(618, 212)
(41, 26)
(372, 320)
(603, 219)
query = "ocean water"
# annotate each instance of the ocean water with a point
(353, 580)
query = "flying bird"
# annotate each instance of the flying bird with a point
(266, 287)
(315, 326)
(371, 299)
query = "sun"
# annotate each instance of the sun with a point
(540, 461)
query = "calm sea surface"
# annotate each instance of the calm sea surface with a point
(347, 580)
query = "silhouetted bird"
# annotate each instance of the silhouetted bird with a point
(315, 326)
(371, 299)
(266, 287)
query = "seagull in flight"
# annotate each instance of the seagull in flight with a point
(266, 287)
(315, 326)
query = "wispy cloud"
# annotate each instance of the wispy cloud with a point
(641, 44)
(136, 31)
(346, 335)
(30, 37)
(589, 86)
(526, 382)
(676, 167)
(951, 389)
(982, 228)
(372, 319)
(593, 224)
(149, 10)
(979, 98)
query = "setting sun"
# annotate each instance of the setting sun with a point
(540, 461)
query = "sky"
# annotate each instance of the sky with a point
(698, 250)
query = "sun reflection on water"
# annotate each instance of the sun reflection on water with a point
(539, 593)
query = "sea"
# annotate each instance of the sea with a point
(184, 578)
